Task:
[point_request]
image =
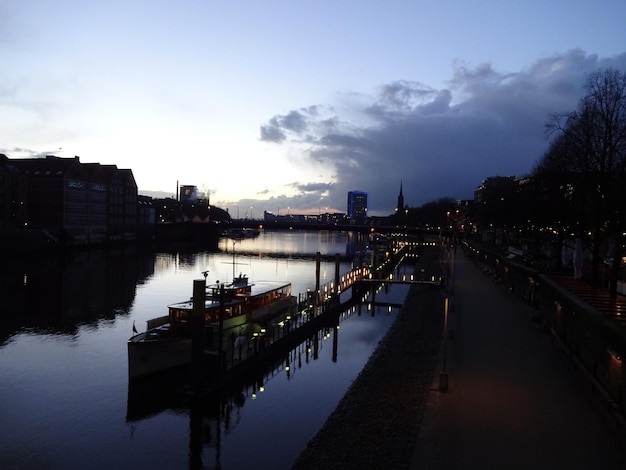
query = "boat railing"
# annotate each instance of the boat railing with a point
(156, 322)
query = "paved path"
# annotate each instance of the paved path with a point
(514, 400)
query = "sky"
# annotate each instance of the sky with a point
(285, 106)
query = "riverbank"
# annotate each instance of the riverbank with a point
(376, 423)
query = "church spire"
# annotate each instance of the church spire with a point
(400, 199)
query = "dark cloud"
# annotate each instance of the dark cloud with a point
(403, 96)
(309, 197)
(271, 131)
(311, 202)
(295, 122)
(439, 142)
(313, 187)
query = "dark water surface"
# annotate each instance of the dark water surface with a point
(65, 400)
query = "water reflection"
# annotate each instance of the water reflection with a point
(300, 244)
(54, 294)
(215, 418)
(170, 390)
(66, 320)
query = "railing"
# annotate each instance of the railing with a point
(313, 304)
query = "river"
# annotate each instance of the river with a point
(65, 400)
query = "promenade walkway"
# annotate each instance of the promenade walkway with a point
(514, 400)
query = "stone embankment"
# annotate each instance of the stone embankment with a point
(376, 423)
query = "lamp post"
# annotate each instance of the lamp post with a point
(443, 375)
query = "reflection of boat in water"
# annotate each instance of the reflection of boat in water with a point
(170, 390)
(216, 416)
(246, 308)
(240, 233)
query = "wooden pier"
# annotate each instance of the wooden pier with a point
(319, 308)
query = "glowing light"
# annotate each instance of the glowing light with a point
(614, 354)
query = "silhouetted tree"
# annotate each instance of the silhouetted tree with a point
(433, 213)
(590, 153)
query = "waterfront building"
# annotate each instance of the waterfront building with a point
(146, 212)
(13, 195)
(78, 203)
(357, 206)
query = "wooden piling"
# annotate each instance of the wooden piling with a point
(318, 258)
(197, 332)
(337, 274)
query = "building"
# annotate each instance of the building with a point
(194, 207)
(357, 206)
(188, 195)
(400, 204)
(492, 206)
(146, 212)
(13, 195)
(76, 203)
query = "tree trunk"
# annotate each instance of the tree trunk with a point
(595, 259)
(616, 265)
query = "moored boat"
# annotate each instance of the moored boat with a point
(244, 308)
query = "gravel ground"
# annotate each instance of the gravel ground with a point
(376, 423)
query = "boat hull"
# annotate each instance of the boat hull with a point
(150, 357)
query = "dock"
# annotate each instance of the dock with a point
(316, 309)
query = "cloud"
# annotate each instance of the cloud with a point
(296, 122)
(271, 132)
(19, 152)
(438, 142)
(313, 187)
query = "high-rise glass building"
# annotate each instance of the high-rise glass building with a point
(357, 205)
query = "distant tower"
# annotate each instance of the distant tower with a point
(357, 205)
(400, 205)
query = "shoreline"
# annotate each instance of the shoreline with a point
(376, 423)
